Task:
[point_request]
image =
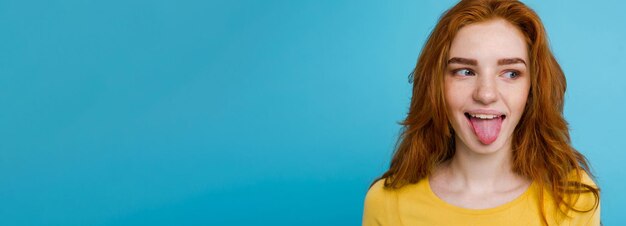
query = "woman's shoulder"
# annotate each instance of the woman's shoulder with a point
(586, 179)
(587, 201)
(377, 193)
(381, 201)
(587, 197)
(374, 208)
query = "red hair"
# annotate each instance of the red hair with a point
(542, 149)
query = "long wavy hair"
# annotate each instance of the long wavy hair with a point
(542, 149)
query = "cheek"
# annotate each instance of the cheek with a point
(523, 95)
(456, 96)
(517, 99)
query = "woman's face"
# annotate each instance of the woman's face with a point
(486, 85)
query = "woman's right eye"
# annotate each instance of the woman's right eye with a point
(464, 72)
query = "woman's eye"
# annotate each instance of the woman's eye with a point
(464, 72)
(511, 74)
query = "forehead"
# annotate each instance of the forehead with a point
(489, 41)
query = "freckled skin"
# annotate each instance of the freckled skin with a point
(487, 85)
(479, 175)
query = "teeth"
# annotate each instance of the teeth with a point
(484, 116)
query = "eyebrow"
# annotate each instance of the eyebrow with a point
(472, 62)
(458, 60)
(508, 61)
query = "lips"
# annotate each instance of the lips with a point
(486, 125)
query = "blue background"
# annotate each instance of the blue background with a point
(246, 112)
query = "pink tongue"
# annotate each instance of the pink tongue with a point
(486, 130)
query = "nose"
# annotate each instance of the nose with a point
(485, 91)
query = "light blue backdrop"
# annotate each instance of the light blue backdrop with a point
(246, 112)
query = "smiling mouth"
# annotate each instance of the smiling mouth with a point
(486, 127)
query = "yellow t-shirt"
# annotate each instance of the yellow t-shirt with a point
(416, 204)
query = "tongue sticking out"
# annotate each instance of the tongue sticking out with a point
(486, 130)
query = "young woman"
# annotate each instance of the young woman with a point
(485, 141)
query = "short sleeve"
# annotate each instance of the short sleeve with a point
(374, 207)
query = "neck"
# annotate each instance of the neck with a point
(481, 172)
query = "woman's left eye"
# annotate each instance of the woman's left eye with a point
(511, 74)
